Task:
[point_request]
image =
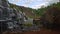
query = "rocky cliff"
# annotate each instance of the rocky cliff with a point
(28, 11)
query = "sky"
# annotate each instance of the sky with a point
(35, 4)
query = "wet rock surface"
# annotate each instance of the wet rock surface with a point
(8, 17)
(13, 20)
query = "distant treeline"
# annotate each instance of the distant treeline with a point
(38, 12)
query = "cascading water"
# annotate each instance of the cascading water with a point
(8, 17)
(12, 19)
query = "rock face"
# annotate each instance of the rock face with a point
(10, 18)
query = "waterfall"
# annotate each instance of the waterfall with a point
(11, 18)
(8, 16)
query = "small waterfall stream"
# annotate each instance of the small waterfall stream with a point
(12, 19)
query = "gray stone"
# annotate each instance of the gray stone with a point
(10, 15)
